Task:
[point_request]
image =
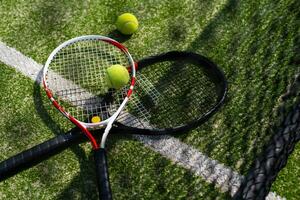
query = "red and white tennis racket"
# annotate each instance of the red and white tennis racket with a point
(74, 78)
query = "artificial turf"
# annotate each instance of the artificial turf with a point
(254, 42)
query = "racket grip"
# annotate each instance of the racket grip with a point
(39, 153)
(102, 174)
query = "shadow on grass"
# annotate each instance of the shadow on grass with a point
(116, 35)
(83, 185)
(238, 151)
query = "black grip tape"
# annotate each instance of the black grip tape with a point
(39, 153)
(102, 174)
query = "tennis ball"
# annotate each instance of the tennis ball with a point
(127, 23)
(117, 76)
(96, 119)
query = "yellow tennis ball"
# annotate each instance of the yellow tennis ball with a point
(96, 119)
(127, 23)
(117, 76)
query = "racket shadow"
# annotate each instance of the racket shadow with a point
(40, 101)
(83, 185)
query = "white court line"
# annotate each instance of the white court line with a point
(180, 153)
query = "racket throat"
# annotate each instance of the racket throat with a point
(86, 132)
(111, 121)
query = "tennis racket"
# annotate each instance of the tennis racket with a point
(174, 92)
(76, 81)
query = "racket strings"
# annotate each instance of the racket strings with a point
(188, 95)
(170, 94)
(136, 114)
(77, 77)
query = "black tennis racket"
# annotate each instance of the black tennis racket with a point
(174, 92)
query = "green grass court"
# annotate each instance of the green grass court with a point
(256, 43)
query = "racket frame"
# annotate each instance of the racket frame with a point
(83, 125)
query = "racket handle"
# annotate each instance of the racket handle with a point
(102, 174)
(39, 153)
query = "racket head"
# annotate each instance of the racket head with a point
(175, 91)
(75, 78)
